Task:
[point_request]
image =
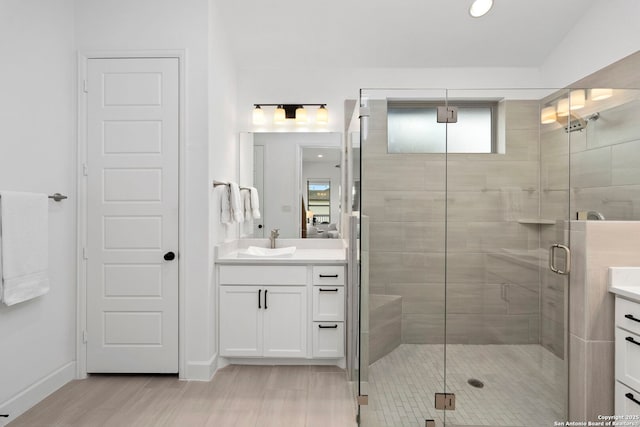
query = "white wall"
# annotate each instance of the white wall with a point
(223, 145)
(37, 153)
(607, 32)
(170, 24)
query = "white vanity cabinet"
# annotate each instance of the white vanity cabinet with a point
(281, 311)
(263, 311)
(627, 367)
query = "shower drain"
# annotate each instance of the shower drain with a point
(476, 383)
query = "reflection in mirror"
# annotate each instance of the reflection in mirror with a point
(281, 164)
(321, 177)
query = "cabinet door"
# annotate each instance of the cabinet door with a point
(285, 321)
(240, 320)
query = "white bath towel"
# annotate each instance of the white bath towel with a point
(225, 205)
(236, 202)
(25, 246)
(255, 203)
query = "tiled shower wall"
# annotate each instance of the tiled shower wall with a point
(492, 271)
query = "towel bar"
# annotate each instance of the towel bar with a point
(217, 183)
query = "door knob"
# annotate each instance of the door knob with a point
(169, 256)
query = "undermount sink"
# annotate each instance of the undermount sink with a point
(258, 252)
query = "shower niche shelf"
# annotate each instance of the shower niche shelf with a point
(536, 221)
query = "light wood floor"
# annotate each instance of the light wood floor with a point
(295, 396)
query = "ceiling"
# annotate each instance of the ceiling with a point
(399, 34)
(329, 155)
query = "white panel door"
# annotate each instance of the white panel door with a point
(132, 215)
(285, 321)
(241, 310)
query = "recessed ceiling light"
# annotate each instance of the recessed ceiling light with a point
(320, 155)
(480, 8)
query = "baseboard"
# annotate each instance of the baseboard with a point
(202, 371)
(29, 397)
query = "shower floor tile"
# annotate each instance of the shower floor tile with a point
(524, 386)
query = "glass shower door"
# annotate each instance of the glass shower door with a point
(506, 311)
(402, 257)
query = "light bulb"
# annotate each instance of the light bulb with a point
(258, 116)
(322, 116)
(563, 107)
(548, 115)
(279, 116)
(480, 7)
(598, 94)
(577, 99)
(301, 115)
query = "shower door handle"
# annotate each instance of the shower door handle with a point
(552, 259)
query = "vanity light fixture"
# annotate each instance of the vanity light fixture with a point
(283, 112)
(480, 8)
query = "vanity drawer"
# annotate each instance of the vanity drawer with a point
(328, 275)
(627, 402)
(628, 358)
(263, 275)
(328, 339)
(328, 303)
(628, 315)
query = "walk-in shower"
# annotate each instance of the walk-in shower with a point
(461, 320)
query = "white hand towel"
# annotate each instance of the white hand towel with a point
(25, 246)
(225, 205)
(236, 202)
(255, 203)
(246, 204)
(247, 225)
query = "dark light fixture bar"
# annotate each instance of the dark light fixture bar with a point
(290, 111)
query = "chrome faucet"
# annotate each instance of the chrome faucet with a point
(275, 233)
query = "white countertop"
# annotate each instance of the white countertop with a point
(625, 281)
(316, 251)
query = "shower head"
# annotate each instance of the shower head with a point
(578, 123)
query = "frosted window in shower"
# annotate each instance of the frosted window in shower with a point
(414, 129)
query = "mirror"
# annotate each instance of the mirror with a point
(299, 177)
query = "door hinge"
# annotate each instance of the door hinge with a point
(84, 337)
(85, 89)
(84, 253)
(85, 169)
(446, 401)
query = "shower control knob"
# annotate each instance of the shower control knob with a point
(259, 225)
(169, 256)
